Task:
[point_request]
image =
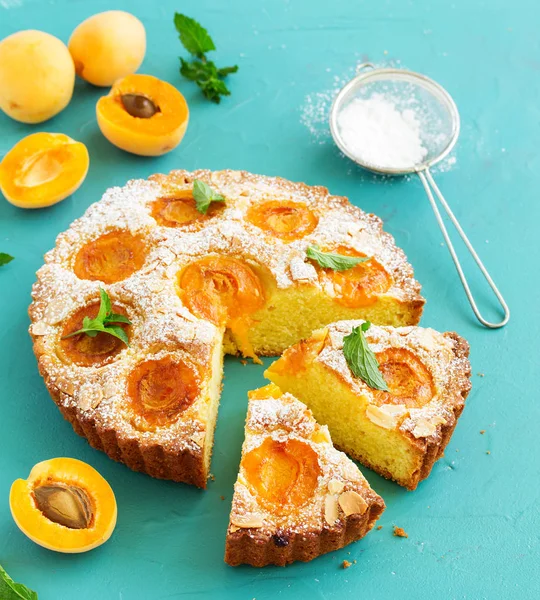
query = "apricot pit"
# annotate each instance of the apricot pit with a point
(65, 505)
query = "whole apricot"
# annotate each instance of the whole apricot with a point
(108, 46)
(37, 76)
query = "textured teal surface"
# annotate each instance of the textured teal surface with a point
(474, 525)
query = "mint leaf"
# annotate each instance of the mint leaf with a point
(9, 590)
(5, 258)
(204, 195)
(361, 359)
(337, 262)
(102, 323)
(227, 71)
(194, 37)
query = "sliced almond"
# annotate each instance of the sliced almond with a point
(335, 486)
(331, 510)
(424, 429)
(155, 285)
(302, 271)
(109, 389)
(198, 438)
(56, 311)
(65, 386)
(352, 503)
(166, 257)
(248, 520)
(89, 397)
(40, 328)
(387, 415)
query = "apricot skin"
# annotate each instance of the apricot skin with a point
(108, 46)
(37, 76)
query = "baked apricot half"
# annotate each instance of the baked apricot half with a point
(283, 474)
(287, 221)
(65, 505)
(143, 115)
(408, 379)
(180, 209)
(43, 169)
(359, 286)
(225, 291)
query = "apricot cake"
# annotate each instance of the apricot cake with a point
(296, 496)
(194, 265)
(401, 429)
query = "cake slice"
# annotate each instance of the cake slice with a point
(398, 433)
(296, 496)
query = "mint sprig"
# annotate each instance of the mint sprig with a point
(104, 321)
(5, 258)
(10, 590)
(204, 195)
(336, 262)
(197, 41)
(361, 358)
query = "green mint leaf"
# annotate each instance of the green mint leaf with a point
(5, 258)
(194, 37)
(213, 89)
(361, 359)
(9, 590)
(336, 262)
(223, 72)
(117, 332)
(105, 306)
(204, 195)
(116, 318)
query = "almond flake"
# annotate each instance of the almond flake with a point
(40, 328)
(387, 415)
(65, 386)
(335, 486)
(89, 397)
(331, 511)
(248, 520)
(198, 438)
(109, 389)
(155, 285)
(56, 311)
(352, 503)
(424, 429)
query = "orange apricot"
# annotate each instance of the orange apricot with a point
(225, 291)
(37, 76)
(360, 285)
(108, 46)
(181, 209)
(283, 474)
(65, 505)
(110, 258)
(286, 220)
(143, 115)
(87, 351)
(408, 379)
(43, 169)
(160, 391)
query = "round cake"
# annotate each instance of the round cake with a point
(188, 281)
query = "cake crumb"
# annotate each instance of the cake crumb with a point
(399, 532)
(244, 362)
(346, 564)
(212, 477)
(222, 497)
(480, 374)
(379, 527)
(482, 431)
(488, 452)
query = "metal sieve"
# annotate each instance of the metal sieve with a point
(437, 113)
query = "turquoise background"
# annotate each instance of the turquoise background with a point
(474, 525)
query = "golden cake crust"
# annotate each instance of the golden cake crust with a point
(92, 398)
(257, 535)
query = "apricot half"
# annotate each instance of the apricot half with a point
(180, 209)
(108, 46)
(112, 257)
(65, 505)
(359, 286)
(286, 220)
(283, 474)
(43, 169)
(160, 391)
(408, 379)
(143, 115)
(37, 76)
(225, 291)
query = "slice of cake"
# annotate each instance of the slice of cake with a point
(401, 429)
(296, 496)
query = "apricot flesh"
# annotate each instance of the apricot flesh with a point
(108, 46)
(43, 169)
(143, 131)
(37, 76)
(87, 351)
(111, 257)
(65, 505)
(225, 291)
(409, 381)
(283, 474)
(359, 286)
(160, 391)
(286, 220)
(180, 209)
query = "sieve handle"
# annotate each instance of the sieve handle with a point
(430, 186)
